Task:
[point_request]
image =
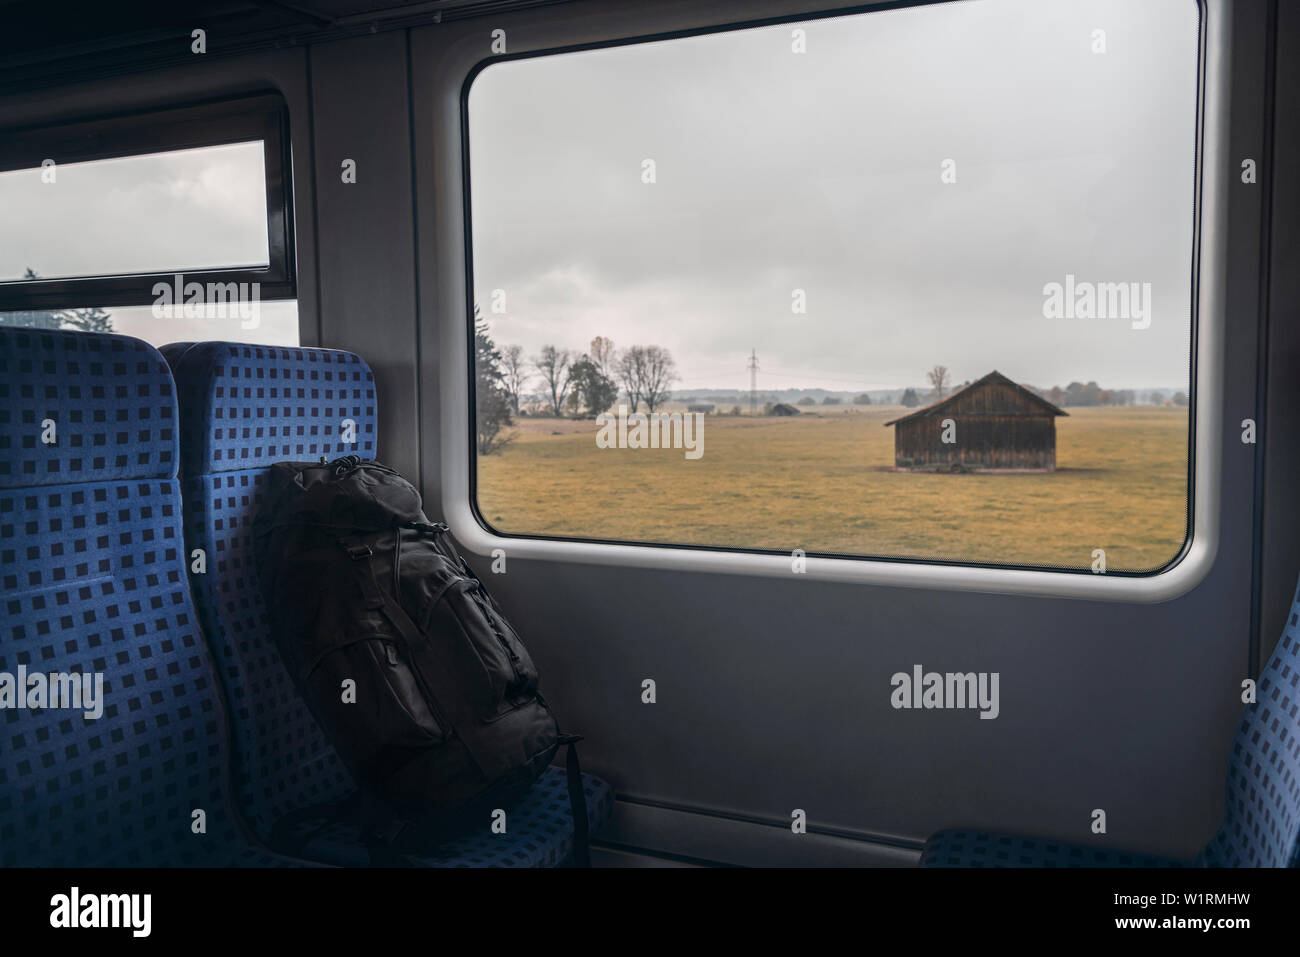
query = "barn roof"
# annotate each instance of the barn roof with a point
(993, 376)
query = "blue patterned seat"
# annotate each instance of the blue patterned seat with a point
(93, 581)
(243, 408)
(1261, 822)
(173, 351)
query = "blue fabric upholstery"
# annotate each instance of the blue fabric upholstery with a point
(111, 402)
(93, 581)
(173, 351)
(1261, 823)
(244, 408)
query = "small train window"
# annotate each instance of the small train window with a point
(168, 226)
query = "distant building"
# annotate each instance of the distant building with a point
(784, 408)
(993, 423)
(701, 407)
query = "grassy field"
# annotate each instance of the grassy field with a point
(824, 482)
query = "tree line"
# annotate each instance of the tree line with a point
(83, 320)
(588, 383)
(1074, 394)
(579, 384)
(571, 383)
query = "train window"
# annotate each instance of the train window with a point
(179, 210)
(271, 323)
(909, 284)
(168, 226)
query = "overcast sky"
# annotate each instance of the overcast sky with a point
(185, 209)
(821, 171)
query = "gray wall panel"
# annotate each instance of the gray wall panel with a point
(773, 694)
(366, 229)
(1282, 419)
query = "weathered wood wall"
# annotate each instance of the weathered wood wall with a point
(997, 426)
(983, 442)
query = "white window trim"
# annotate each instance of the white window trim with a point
(1209, 265)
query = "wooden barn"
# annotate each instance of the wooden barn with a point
(993, 423)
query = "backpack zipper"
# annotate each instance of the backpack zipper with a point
(430, 698)
(479, 593)
(505, 644)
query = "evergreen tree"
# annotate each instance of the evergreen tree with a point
(594, 390)
(493, 404)
(84, 320)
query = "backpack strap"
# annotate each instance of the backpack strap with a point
(577, 802)
(287, 835)
(379, 828)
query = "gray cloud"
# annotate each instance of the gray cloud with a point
(821, 171)
(186, 209)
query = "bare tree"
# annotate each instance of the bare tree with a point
(629, 368)
(514, 373)
(659, 371)
(938, 377)
(555, 366)
(604, 356)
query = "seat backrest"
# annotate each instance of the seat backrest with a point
(1261, 822)
(243, 408)
(93, 583)
(173, 351)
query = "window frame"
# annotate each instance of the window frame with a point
(262, 117)
(1205, 417)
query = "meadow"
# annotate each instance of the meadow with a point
(824, 481)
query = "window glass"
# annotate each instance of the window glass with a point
(265, 323)
(913, 283)
(178, 210)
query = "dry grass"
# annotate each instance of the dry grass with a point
(824, 483)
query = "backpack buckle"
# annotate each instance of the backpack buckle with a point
(358, 552)
(425, 528)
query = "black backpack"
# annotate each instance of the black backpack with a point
(403, 656)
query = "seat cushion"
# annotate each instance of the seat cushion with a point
(283, 759)
(243, 408)
(959, 848)
(93, 583)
